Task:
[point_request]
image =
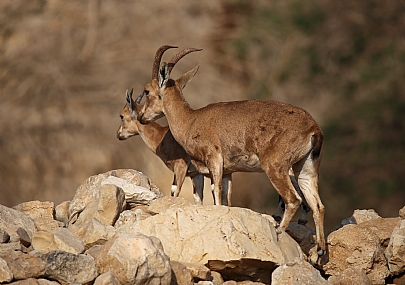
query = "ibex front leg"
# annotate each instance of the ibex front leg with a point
(216, 169)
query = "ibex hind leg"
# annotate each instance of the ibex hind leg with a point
(307, 172)
(282, 183)
(198, 189)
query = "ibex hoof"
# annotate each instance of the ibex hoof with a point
(277, 218)
(321, 252)
(278, 230)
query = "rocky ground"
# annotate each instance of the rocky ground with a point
(120, 229)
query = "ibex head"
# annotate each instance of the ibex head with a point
(161, 83)
(128, 127)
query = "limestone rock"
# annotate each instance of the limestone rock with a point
(297, 272)
(216, 278)
(24, 266)
(60, 240)
(360, 216)
(135, 259)
(36, 209)
(11, 220)
(106, 208)
(131, 216)
(353, 245)
(67, 268)
(62, 212)
(167, 202)
(97, 233)
(47, 224)
(5, 273)
(395, 252)
(352, 275)
(107, 279)
(230, 240)
(402, 213)
(382, 227)
(180, 274)
(89, 189)
(25, 239)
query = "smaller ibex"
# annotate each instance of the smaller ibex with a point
(160, 141)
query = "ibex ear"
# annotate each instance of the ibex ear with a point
(186, 77)
(164, 74)
(130, 103)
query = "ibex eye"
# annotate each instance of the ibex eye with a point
(160, 97)
(122, 117)
(146, 92)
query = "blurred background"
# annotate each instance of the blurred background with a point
(65, 66)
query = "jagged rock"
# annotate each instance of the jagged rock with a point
(11, 246)
(60, 240)
(361, 216)
(395, 252)
(167, 202)
(382, 227)
(107, 279)
(198, 271)
(402, 213)
(88, 191)
(5, 273)
(46, 224)
(180, 274)
(97, 233)
(4, 236)
(36, 209)
(11, 220)
(131, 216)
(62, 212)
(303, 235)
(67, 268)
(216, 278)
(24, 266)
(106, 207)
(229, 240)
(297, 272)
(352, 275)
(135, 259)
(353, 245)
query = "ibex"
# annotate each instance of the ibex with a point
(249, 135)
(161, 142)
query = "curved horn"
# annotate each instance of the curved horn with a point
(139, 99)
(158, 57)
(179, 55)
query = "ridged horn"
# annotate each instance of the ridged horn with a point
(139, 99)
(179, 55)
(158, 57)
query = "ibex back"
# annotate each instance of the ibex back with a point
(249, 135)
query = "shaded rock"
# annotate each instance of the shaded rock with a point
(352, 246)
(11, 220)
(297, 272)
(36, 209)
(5, 273)
(216, 278)
(229, 240)
(60, 240)
(66, 267)
(4, 236)
(303, 235)
(107, 279)
(25, 239)
(62, 212)
(167, 202)
(11, 246)
(361, 216)
(97, 233)
(131, 216)
(180, 274)
(88, 191)
(352, 275)
(135, 259)
(24, 266)
(395, 252)
(106, 208)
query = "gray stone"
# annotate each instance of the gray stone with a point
(11, 220)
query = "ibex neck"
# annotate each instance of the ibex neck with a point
(152, 134)
(179, 114)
